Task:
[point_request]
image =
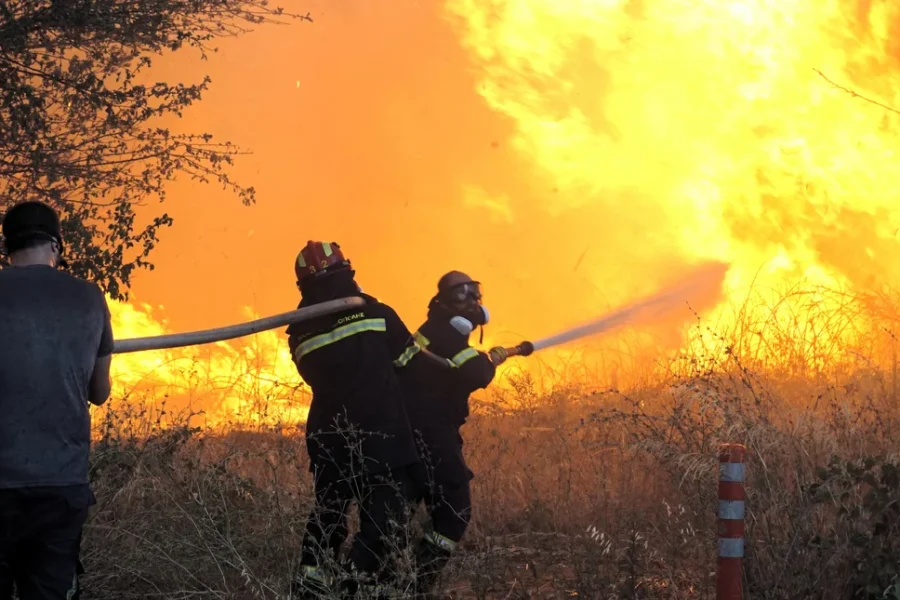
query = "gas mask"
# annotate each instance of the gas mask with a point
(465, 326)
(465, 301)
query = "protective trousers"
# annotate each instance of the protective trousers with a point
(40, 531)
(450, 507)
(446, 491)
(385, 501)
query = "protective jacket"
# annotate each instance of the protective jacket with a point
(437, 396)
(357, 410)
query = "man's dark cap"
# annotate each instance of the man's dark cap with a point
(28, 221)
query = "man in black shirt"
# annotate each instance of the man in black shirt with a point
(56, 345)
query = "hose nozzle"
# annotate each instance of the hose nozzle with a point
(523, 349)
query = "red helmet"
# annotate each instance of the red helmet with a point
(319, 258)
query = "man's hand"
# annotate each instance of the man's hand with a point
(498, 355)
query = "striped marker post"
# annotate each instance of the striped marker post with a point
(729, 576)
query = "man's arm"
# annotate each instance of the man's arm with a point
(476, 371)
(100, 385)
(398, 334)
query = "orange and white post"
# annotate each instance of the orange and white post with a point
(729, 575)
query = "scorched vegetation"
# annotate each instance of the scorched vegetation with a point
(580, 491)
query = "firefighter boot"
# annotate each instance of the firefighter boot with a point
(312, 583)
(431, 558)
(355, 589)
(357, 586)
(366, 591)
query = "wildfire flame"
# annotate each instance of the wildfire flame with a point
(714, 116)
(594, 148)
(245, 382)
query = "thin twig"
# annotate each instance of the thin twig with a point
(857, 94)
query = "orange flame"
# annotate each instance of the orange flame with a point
(572, 155)
(246, 382)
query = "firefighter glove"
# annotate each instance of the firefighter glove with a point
(498, 355)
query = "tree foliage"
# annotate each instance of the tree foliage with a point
(79, 122)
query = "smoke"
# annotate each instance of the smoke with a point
(698, 288)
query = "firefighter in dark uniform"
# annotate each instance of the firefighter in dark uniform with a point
(358, 436)
(437, 384)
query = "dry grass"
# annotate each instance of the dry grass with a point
(579, 493)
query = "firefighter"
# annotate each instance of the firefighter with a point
(358, 436)
(438, 373)
(56, 344)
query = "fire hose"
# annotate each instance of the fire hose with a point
(656, 304)
(220, 334)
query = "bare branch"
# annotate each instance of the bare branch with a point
(856, 94)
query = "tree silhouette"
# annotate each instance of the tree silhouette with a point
(79, 126)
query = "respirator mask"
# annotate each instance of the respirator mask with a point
(465, 301)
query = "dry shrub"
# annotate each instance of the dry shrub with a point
(578, 493)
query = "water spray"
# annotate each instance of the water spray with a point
(703, 280)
